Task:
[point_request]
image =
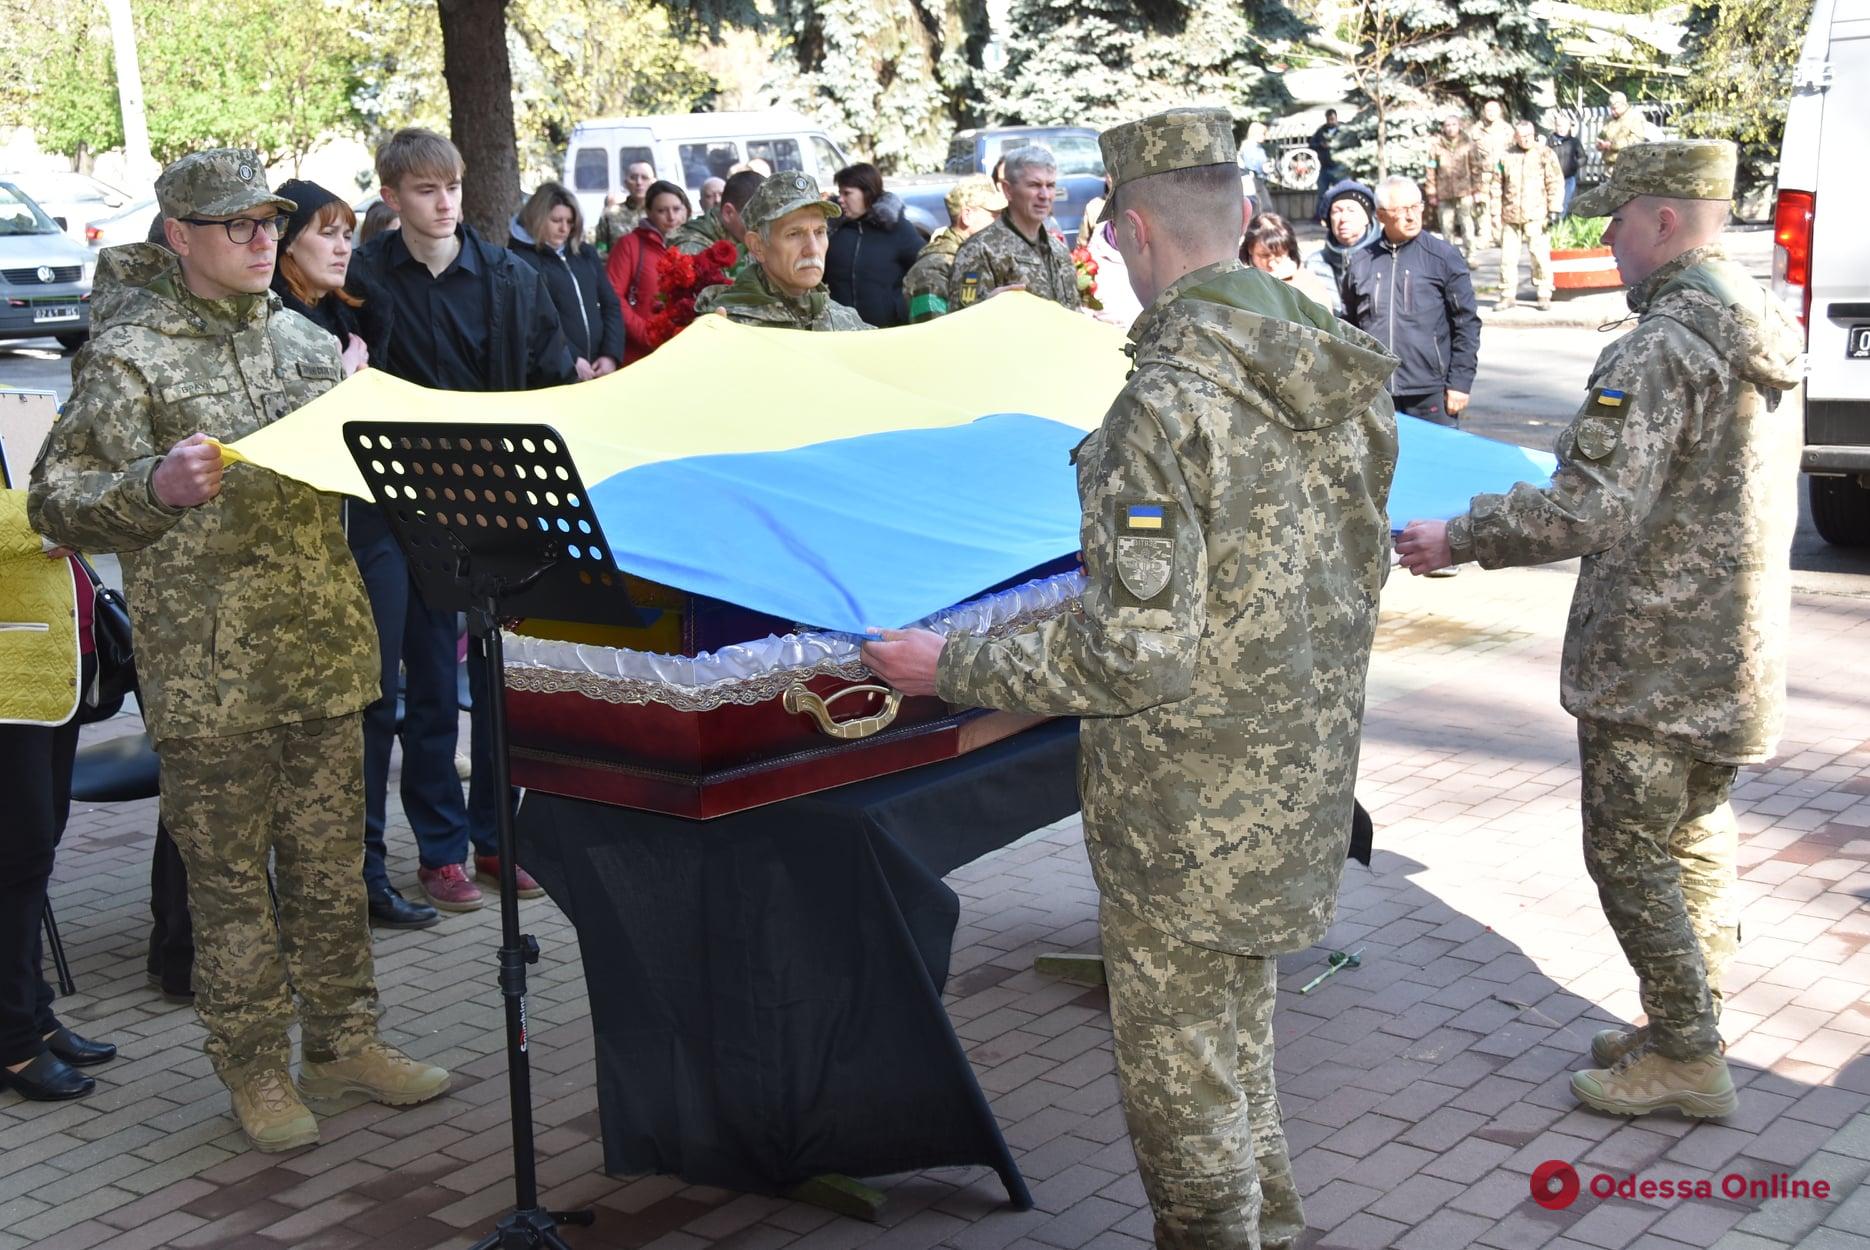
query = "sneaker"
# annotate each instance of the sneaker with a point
(487, 870)
(379, 1071)
(1545, 303)
(270, 1112)
(448, 888)
(1646, 1080)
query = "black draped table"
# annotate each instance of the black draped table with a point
(766, 987)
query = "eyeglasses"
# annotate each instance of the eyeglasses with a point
(240, 229)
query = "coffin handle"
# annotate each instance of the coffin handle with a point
(799, 698)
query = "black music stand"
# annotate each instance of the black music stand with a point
(494, 521)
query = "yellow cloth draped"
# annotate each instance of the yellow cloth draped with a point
(720, 387)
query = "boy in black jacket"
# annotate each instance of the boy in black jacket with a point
(467, 316)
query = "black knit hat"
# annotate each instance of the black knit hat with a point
(310, 197)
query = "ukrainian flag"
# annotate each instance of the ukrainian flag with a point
(837, 480)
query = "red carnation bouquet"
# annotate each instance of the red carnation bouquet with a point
(681, 279)
(1086, 266)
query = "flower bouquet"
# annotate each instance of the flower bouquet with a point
(681, 278)
(1085, 265)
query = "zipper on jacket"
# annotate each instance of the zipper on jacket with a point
(24, 627)
(579, 291)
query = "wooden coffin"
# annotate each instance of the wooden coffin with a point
(709, 709)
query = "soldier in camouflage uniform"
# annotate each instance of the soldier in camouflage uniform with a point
(785, 284)
(1626, 127)
(1676, 485)
(1234, 544)
(972, 205)
(618, 220)
(1493, 134)
(1017, 251)
(254, 639)
(728, 221)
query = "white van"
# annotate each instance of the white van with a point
(1821, 261)
(689, 148)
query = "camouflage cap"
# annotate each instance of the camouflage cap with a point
(1181, 138)
(1681, 169)
(975, 191)
(785, 192)
(219, 182)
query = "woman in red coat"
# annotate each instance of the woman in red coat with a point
(636, 259)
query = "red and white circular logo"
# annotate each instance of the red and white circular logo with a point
(1554, 1184)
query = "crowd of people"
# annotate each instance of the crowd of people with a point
(277, 628)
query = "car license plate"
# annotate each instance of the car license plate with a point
(1857, 343)
(55, 312)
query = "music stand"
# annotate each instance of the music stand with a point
(494, 520)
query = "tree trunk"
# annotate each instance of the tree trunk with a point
(480, 111)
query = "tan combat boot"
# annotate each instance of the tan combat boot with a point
(1646, 1080)
(269, 1112)
(379, 1071)
(1610, 1045)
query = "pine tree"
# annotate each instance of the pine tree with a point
(1098, 62)
(1741, 55)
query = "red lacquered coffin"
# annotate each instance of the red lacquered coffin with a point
(683, 716)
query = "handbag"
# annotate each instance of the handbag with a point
(113, 642)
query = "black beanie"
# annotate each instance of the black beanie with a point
(310, 197)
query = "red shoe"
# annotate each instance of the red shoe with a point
(448, 888)
(487, 869)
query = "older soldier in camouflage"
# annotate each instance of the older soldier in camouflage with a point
(1017, 252)
(785, 286)
(1626, 128)
(254, 638)
(1676, 485)
(1234, 543)
(972, 205)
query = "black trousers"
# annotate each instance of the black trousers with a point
(35, 778)
(1430, 407)
(172, 931)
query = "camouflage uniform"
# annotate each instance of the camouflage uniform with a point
(1676, 485)
(999, 255)
(753, 299)
(1621, 132)
(254, 638)
(1491, 140)
(1529, 188)
(925, 286)
(698, 234)
(1455, 176)
(614, 224)
(1233, 524)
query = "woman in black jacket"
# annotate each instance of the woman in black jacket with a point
(314, 265)
(872, 248)
(549, 235)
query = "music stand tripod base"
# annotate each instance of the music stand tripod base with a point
(494, 520)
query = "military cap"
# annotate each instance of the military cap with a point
(1680, 169)
(976, 191)
(785, 192)
(1181, 138)
(218, 182)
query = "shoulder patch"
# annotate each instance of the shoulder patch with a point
(1145, 550)
(970, 288)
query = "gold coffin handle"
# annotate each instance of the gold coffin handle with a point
(799, 698)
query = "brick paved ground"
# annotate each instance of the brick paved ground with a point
(1420, 1090)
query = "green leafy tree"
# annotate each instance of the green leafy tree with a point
(1741, 55)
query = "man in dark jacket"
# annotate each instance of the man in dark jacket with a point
(1564, 144)
(1412, 292)
(469, 316)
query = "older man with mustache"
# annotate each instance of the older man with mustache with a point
(785, 286)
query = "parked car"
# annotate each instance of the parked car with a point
(690, 148)
(129, 224)
(45, 278)
(71, 199)
(1080, 171)
(1821, 265)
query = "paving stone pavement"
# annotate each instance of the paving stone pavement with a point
(1420, 1090)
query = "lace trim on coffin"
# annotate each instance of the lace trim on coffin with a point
(757, 671)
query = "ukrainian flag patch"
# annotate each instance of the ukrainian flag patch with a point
(1143, 516)
(1604, 397)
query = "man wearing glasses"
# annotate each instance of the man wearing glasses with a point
(254, 638)
(1412, 291)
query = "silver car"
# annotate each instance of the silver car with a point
(45, 278)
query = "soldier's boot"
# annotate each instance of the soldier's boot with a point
(379, 1071)
(270, 1112)
(1647, 1080)
(1610, 1045)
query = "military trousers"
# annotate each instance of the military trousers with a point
(1660, 842)
(1194, 1040)
(1457, 215)
(1537, 241)
(290, 798)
